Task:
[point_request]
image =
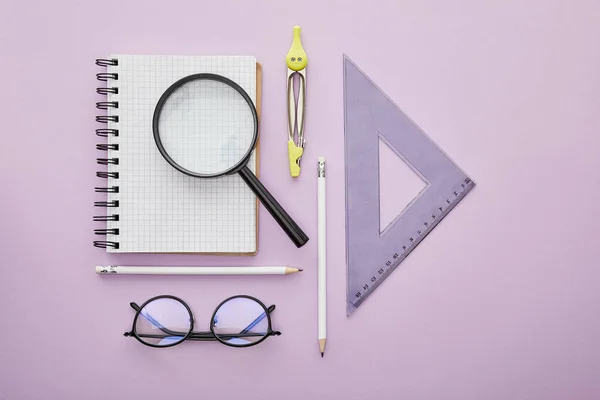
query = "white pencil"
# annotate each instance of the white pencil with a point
(321, 244)
(150, 270)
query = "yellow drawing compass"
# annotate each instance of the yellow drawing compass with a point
(296, 61)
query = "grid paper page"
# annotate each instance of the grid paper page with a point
(161, 209)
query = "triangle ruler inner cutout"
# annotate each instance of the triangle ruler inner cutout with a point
(373, 251)
(394, 198)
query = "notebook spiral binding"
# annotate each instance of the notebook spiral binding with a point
(110, 160)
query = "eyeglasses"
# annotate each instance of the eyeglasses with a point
(165, 321)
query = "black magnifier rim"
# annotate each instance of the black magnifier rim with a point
(269, 329)
(165, 96)
(164, 296)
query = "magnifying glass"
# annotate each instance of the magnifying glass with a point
(206, 126)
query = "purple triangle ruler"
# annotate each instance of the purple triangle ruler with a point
(372, 254)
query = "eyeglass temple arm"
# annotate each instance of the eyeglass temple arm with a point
(260, 318)
(153, 322)
(243, 333)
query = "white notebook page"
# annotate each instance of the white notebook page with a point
(161, 209)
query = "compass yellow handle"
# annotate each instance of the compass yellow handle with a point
(296, 58)
(294, 153)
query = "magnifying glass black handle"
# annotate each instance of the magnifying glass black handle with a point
(283, 219)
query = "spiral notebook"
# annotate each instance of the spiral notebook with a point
(149, 206)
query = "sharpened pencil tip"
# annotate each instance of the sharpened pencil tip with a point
(300, 270)
(322, 346)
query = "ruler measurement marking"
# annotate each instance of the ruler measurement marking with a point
(390, 265)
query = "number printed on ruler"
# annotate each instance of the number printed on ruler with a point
(428, 225)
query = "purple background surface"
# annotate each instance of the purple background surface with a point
(500, 302)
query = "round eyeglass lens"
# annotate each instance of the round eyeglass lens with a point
(163, 322)
(240, 321)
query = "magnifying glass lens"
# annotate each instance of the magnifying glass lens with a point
(207, 127)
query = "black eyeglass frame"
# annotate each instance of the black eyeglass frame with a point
(202, 336)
